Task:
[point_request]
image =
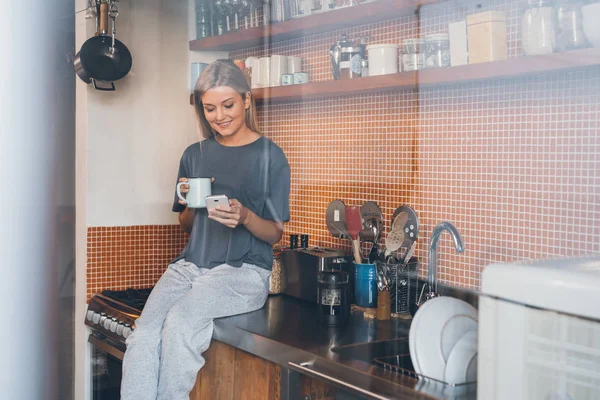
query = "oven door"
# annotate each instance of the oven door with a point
(107, 363)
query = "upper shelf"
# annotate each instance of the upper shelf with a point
(492, 70)
(378, 10)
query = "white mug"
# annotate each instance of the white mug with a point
(294, 64)
(279, 66)
(254, 65)
(265, 72)
(199, 189)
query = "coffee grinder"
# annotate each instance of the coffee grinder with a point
(333, 297)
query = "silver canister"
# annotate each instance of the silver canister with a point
(413, 54)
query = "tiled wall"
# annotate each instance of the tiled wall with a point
(130, 256)
(513, 163)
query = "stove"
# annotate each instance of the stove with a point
(111, 314)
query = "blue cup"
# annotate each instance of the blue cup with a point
(365, 285)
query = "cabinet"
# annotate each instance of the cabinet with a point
(233, 374)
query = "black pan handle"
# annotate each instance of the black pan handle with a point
(104, 89)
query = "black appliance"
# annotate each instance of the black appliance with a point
(111, 316)
(333, 297)
(302, 265)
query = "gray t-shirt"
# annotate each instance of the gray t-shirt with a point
(258, 175)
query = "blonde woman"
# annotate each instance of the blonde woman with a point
(224, 269)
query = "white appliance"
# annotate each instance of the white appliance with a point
(539, 331)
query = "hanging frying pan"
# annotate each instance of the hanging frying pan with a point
(103, 58)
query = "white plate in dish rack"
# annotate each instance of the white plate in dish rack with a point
(462, 362)
(430, 326)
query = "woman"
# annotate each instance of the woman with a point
(225, 266)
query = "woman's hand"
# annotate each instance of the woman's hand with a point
(183, 189)
(234, 215)
(186, 188)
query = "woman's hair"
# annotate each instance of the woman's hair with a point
(222, 73)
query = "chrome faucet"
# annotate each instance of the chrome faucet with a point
(432, 262)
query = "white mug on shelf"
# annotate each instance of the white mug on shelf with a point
(294, 64)
(264, 79)
(253, 64)
(279, 66)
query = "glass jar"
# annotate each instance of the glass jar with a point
(413, 54)
(569, 29)
(538, 28)
(437, 50)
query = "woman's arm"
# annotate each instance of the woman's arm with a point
(264, 229)
(186, 220)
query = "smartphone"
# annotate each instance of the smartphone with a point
(216, 201)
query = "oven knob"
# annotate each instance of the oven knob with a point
(89, 315)
(96, 318)
(126, 331)
(113, 325)
(106, 323)
(120, 329)
(102, 318)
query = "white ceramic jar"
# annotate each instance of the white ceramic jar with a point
(383, 59)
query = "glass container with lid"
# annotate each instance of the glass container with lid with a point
(437, 50)
(538, 28)
(569, 29)
(413, 54)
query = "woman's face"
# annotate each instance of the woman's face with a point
(224, 110)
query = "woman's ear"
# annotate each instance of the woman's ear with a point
(247, 100)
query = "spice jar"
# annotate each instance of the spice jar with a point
(413, 54)
(538, 28)
(569, 30)
(437, 50)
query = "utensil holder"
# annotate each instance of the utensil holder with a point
(365, 285)
(404, 285)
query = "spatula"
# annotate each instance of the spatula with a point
(354, 226)
(336, 219)
(395, 237)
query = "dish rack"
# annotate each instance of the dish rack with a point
(404, 284)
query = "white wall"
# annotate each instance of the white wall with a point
(136, 135)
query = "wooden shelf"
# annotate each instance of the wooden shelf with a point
(378, 10)
(492, 70)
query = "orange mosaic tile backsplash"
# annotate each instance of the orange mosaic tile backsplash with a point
(119, 257)
(513, 163)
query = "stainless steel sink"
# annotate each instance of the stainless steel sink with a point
(391, 354)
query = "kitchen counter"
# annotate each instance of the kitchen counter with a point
(285, 331)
